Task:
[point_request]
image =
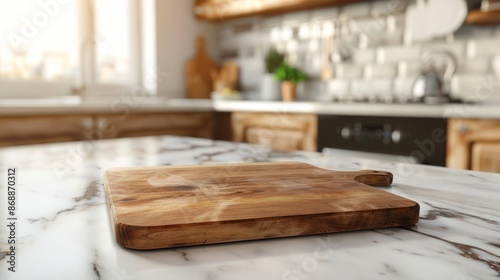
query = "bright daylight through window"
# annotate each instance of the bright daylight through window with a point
(64, 47)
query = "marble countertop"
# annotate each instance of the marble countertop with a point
(64, 232)
(76, 105)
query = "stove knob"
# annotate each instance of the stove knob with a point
(396, 136)
(346, 132)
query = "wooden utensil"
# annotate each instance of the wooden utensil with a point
(197, 72)
(170, 206)
(326, 72)
(226, 77)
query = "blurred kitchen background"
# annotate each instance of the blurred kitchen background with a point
(375, 47)
(404, 80)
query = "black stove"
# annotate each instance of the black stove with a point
(421, 139)
(428, 100)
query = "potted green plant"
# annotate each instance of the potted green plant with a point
(270, 88)
(289, 77)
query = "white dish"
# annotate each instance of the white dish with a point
(430, 19)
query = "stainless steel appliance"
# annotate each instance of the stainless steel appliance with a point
(432, 86)
(421, 140)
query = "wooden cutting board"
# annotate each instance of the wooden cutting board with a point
(198, 72)
(170, 206)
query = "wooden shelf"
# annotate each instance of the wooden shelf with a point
(479, 17)
(221, 10)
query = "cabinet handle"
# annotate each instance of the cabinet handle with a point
(102, 124)
(87, 123)
(462, 128)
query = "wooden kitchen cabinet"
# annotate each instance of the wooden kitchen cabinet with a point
(486, 156)
(282, 132)
(148, 124)
(24, 130)
(474, 144)
(479, 17)
(219, 10)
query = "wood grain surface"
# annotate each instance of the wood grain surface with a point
(281, 132)
(470, 142)
(225, 77)
(170, 206)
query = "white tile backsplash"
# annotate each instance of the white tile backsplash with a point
(474, 66)
(296, 18)
(269, 22)
(386, 39)
(246, 39)
(381, 7)
(348, 71)
(370, 88)
(408, 69)
(338, 87)
(403, 86)
(371, 26)
(356, 10)
(359, 89)
(381, 87)
(380, 71)
(325, 13)
(476, 88)
(484, 47)
(455, 48)
(366, 56)
(394, 54)
(380, 59)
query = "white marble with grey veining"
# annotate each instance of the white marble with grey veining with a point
(64, 230)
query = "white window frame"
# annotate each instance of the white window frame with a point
(142, 60)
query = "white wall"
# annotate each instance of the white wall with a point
(177, 29)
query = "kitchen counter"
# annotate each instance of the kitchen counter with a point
(491, 111)
(74, 105)
(64, 232)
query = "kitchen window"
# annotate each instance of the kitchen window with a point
(75, 47)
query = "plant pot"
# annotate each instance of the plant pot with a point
(288, 91)
(270, 88)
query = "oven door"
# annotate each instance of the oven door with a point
(422, 140)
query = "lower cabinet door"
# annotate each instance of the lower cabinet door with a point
(486, 156)
(194, 124)
(281, 132)
(277, 139)
(25, 130)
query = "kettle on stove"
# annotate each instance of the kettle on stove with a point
(433, 83)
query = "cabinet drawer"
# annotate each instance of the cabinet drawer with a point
(23, 130)
(283, 132)
(198, 124)
(474, 144)
(277, 139)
